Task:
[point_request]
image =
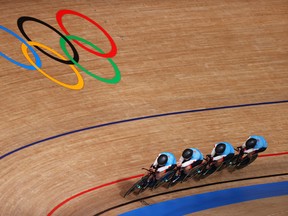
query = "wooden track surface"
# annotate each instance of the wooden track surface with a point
(173, 56)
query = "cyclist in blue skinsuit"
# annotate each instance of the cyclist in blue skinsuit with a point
(254, 144)
(191, 157)
(222, 152)
(164, 163)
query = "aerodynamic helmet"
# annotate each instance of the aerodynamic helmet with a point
(162, 160)
(220, 148)
(187, 154)
(250, 143)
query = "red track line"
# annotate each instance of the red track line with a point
(89, 190)
(126, 179)
(274, 154)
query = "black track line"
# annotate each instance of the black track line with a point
(187, 188)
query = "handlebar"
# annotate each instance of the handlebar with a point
(238, 149)
(150, 171)
(209, 158)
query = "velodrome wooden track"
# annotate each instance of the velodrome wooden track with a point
(173, 56)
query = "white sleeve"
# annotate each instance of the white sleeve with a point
(162, 168)
(213, 152)
(249, 150)
(187, 163)
(219, 157)
(155, 162)
(181, 160)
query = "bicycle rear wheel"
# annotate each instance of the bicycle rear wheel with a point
(223, 166)
(234, 160)
(246, 161)
(166, 178)
(194, 172)
(174, 180)
(138, 185)
(207, 172)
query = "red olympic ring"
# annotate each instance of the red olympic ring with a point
(113, 50)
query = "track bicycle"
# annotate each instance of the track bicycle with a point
(183, 177)
(209, 167)
(167, 178)
(239, 161)
(142, 184)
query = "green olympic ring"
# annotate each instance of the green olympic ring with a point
(113, 80)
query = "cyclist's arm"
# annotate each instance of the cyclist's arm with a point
(180, 161)
(155, 164)
(249, 151)
(219, 158)
(243, 149)
(187, 163)
(161, 169)
(213, 152)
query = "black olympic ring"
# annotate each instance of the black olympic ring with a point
(23, 19)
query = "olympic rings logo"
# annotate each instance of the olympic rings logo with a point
(71, 61)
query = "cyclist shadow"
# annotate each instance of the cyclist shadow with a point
(124, 187)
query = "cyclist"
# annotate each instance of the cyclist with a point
(222, 152)
(164, 163)
(190, 158)
(254, 144)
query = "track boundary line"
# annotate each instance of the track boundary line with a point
(188, 188)
(125, 179)
(140, 118)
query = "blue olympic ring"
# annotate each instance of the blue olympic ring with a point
(28, 67)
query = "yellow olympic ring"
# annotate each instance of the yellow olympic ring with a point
(77, 86)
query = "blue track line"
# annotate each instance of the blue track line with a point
(200, 202)
(141, 118)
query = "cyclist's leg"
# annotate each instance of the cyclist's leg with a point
(226, 161)
(140, 184)
(194, 168)
(253, 157)
(165, 176)
(247, 159)
(236, 158)
(158, 180)
(176, 177)
(208, 170)
(131, 189)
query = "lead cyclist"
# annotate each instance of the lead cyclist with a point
(253, 145)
